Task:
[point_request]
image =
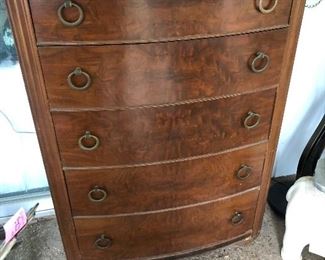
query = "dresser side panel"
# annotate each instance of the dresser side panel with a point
(22, 25)
(297, 11)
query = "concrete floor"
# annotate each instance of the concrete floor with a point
(41, 241)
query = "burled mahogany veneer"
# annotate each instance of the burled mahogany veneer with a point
(158, 120)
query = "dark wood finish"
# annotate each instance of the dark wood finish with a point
(165, 133)
(290, 51)
(164, 186)
(146, 74)
(33, 78)
(196, 121)
(153, 20)
(167, 232)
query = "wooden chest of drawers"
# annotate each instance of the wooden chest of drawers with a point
(158, 119)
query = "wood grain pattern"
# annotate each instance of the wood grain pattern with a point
(152, 20)
(290, 51)
(159, 134)
(164, 186)
(144, 74)
(25, 42)
(167, 232)
(171, 132)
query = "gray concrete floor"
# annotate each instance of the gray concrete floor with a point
(41, 241)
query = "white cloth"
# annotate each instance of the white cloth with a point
(305, 220)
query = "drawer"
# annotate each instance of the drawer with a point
(143, 74)
(135, 136)
(168, 232)
(116, 21)
(155, 187)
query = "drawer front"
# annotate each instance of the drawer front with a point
(128, 190)
(151, 20)
(143, 74)
(163, 133)
(166, 232)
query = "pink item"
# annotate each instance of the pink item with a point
(15, 224)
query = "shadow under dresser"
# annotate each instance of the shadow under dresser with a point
(158, 120)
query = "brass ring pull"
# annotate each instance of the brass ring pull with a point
(266, 11)
(103, 242)
(260, 56)
(237, 218)
(252, 120)
(97, 194)
(79, 72)
(244, 172)
(88, 136)
(70, 4)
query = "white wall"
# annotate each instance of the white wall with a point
(306, 100)
(21, 162)
(20, 157)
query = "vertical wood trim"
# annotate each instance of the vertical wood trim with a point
(289, 52)
(22, 25)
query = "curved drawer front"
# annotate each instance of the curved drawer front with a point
(97, 138)
(167, 232)
(144, 74)
(151, 20)
(155, 187)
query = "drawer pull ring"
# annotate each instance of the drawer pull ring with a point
(244, 172)
(79, 72)
(237, 218)
(252, 120)
(266, 11)
(97, 194)
(88, 137)
(260, 57)
(70, 4)
(103, 242)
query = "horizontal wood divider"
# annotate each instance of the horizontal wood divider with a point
(162, 40)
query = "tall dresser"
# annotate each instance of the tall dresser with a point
(158, 119)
